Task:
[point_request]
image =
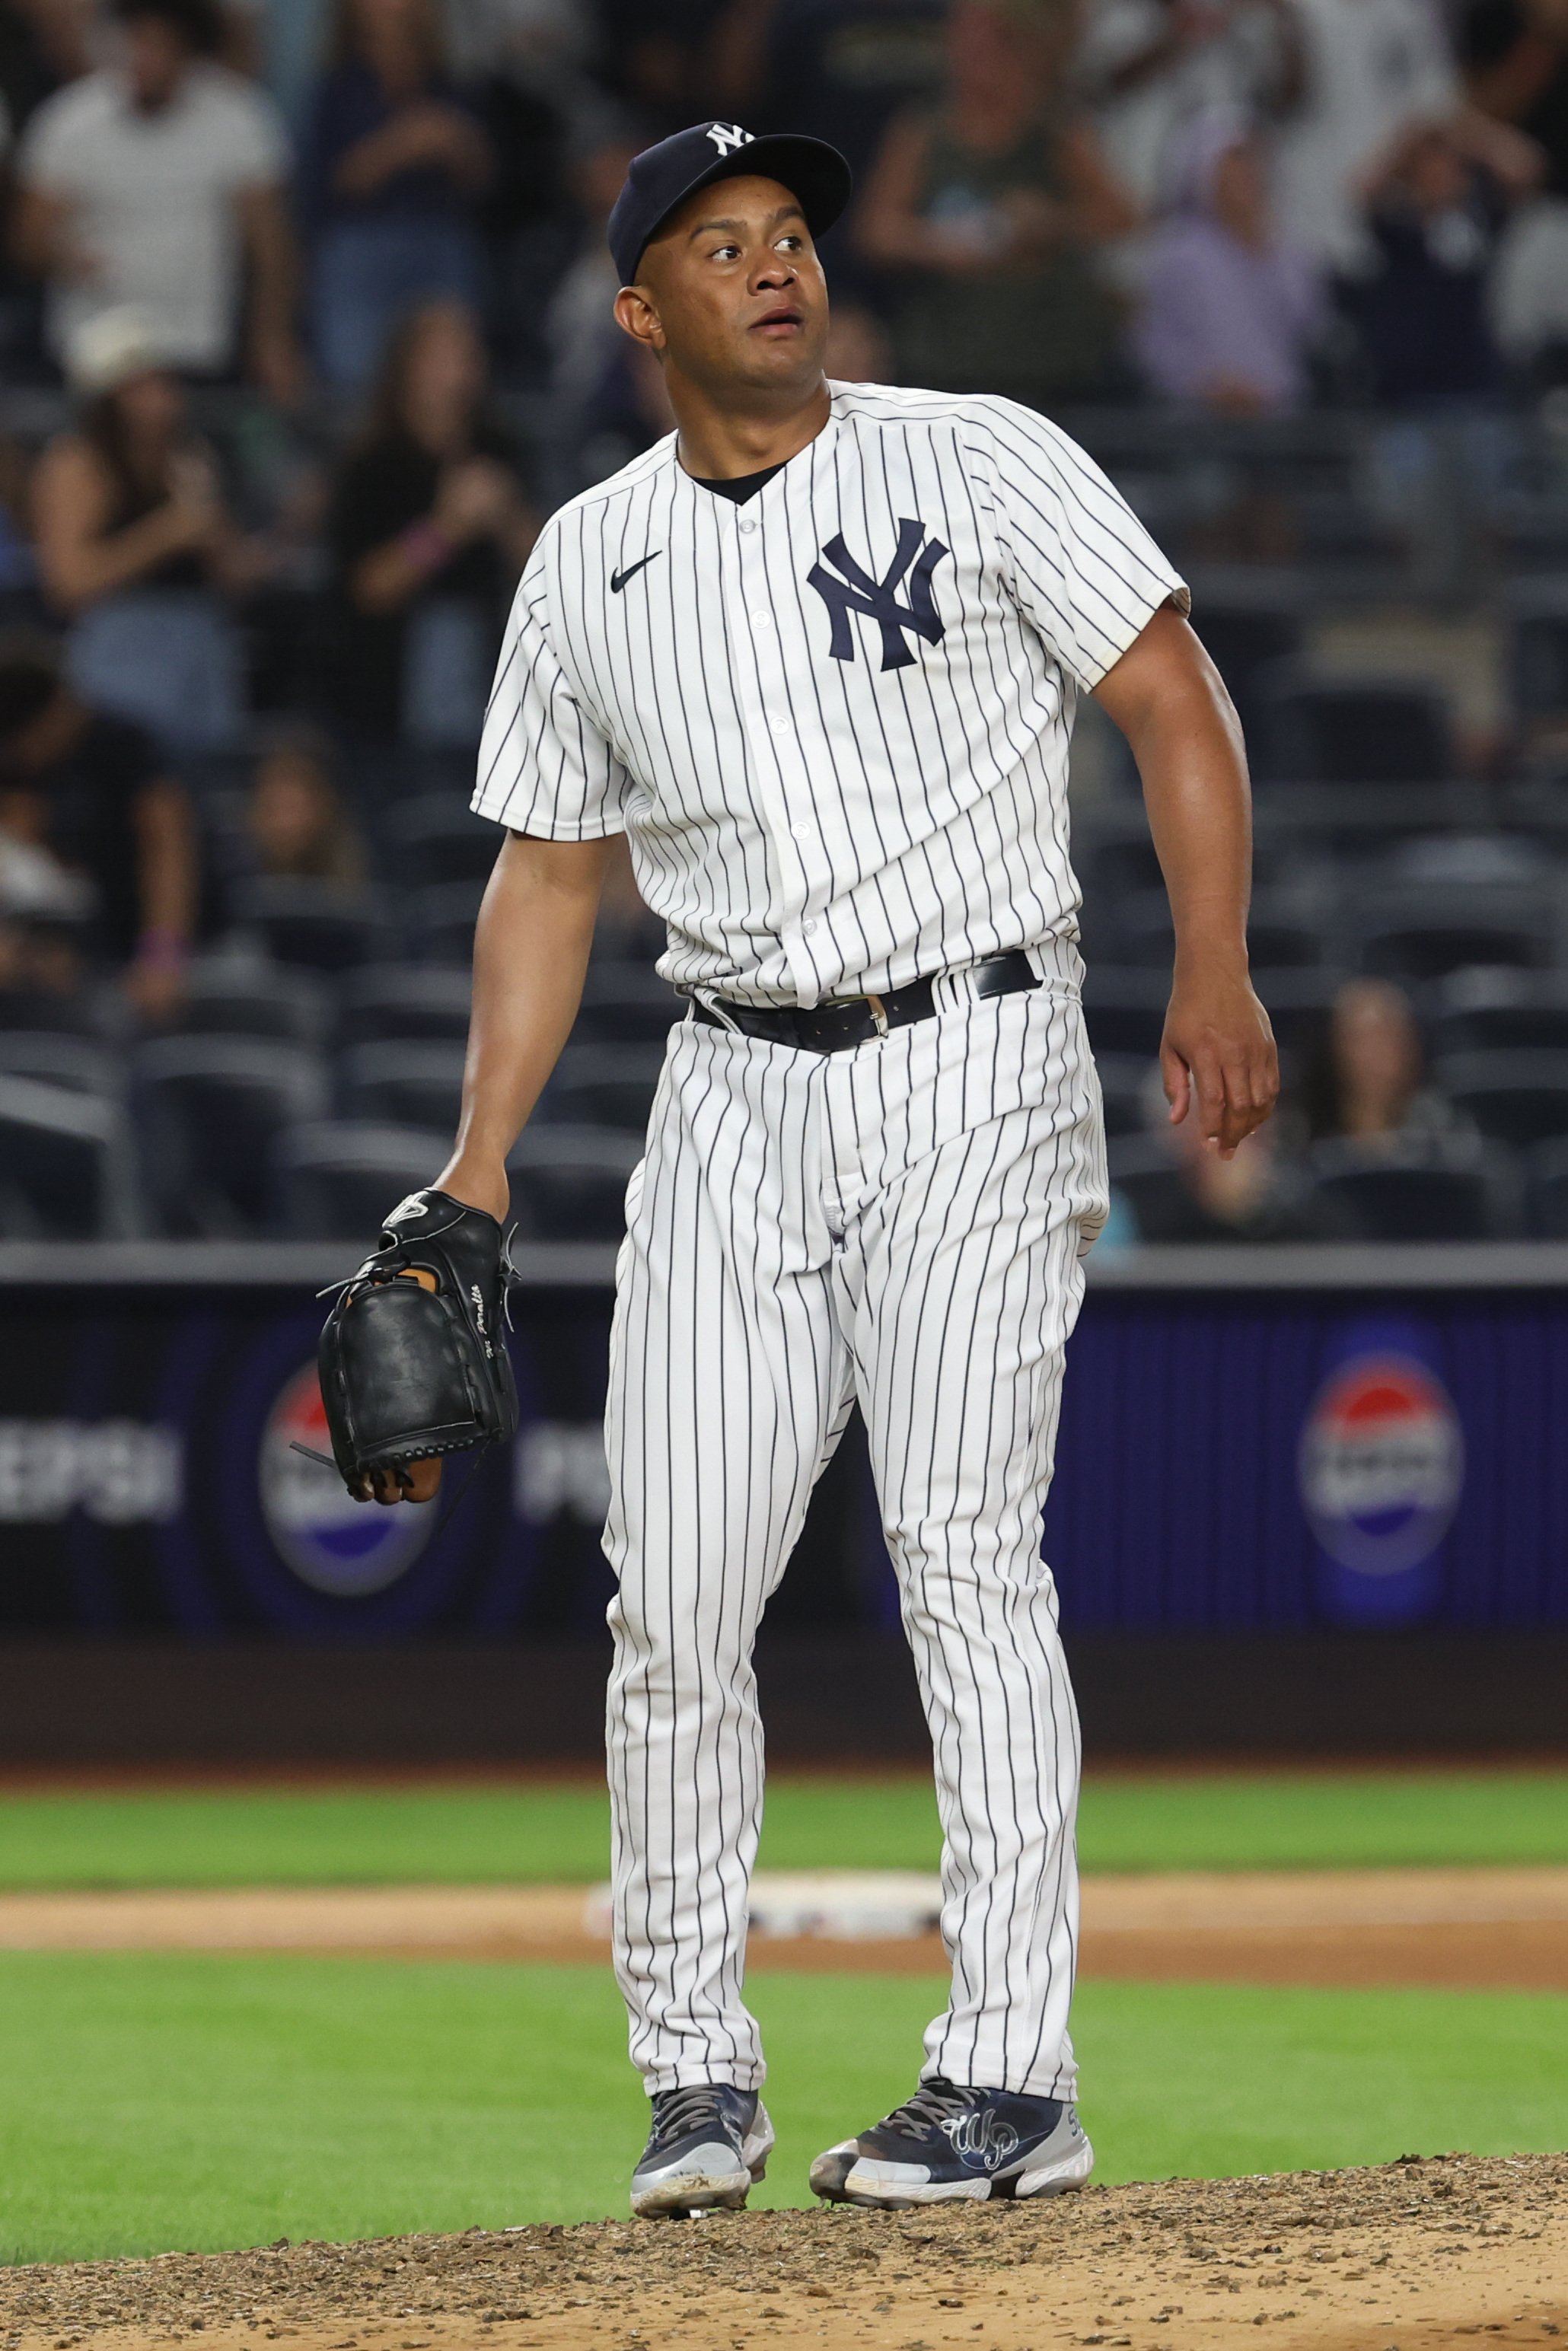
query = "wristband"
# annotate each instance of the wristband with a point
(426, 545)
(161, 949)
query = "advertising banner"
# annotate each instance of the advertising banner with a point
(1226, 1462)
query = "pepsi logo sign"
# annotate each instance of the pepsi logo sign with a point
(1382, 1463)
(332, 1543)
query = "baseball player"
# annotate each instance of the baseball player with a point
(818, 655)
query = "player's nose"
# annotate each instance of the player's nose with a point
(773, 273)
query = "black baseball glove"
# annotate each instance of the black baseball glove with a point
(413, 1358)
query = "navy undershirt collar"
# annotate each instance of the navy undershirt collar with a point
(741, 486)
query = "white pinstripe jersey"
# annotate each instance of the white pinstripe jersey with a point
(832, 721)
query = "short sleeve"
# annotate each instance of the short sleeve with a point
(545, 767)
(49, 154)
(1083, 567)
(257, 153)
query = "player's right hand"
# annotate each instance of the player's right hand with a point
(1219, 1058)
(413, 1481)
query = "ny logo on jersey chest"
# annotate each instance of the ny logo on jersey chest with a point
(856, 590)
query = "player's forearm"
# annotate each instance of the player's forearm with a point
(1171, 703)
(531, 953)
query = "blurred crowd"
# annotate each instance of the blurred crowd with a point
(305, 322)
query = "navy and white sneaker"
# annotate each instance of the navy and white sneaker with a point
(950, 2143)
(707, 2146)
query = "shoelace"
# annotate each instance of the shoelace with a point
(677, 2113)
(934, 2102)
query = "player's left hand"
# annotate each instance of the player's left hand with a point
(1219, 1058)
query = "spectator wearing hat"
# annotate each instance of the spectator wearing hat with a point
(1229, 307)
(393, 168)
(135, 545)
(88, 793)
(159, 181)
(989, 209)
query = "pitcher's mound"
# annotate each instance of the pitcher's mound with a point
(1413, 2256)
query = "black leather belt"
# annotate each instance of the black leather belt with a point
(854, 1020)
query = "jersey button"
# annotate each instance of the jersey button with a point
(747, 524)
(802, 832)
(807, 930)
(762, 620)
(779, 726)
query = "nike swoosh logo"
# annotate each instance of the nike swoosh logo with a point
(618, 579)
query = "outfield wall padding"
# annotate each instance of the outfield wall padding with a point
(827, 1700)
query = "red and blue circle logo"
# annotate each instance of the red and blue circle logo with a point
(1382, 1463)
(332, 1543)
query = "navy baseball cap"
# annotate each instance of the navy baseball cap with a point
(664, 176)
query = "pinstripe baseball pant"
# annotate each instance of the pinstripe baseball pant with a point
(901, 1223)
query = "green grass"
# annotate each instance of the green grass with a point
(153, 2103)
(471, 1836)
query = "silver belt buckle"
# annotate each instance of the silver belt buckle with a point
(878, 1014)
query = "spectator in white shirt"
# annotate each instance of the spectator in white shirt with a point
(160, 182)
(1148, 67)
(1375, 69)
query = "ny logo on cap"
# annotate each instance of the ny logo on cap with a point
(857, 592)
(727, 136)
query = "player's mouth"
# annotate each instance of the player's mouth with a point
(777, 324)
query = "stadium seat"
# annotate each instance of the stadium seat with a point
(404, 1000)
(603, 1085)
(1298, 1003)
(437, 837)
(80, 1065)
(1481, 1011)
(1288, 930)
(230, 996)
(65, 1166)
(1546, 1190)
(568, 1182)
(441, 922)
(1126, 1081)
(403, 1082)
(626, 1004)
(1538, 649)
(335, 1179)
(1247, 643)
(1319, 732)
(1124, 1007)
(1516, 1095)
(1139, 925)
(322, 925)
(1426, 933)
(1114, 860)
(1145, 1174)
(208, 1111)
(1424, 1196)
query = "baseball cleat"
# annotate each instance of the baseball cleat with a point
(707, 2146)
(949, 2143)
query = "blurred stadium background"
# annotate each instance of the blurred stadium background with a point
(303, 327)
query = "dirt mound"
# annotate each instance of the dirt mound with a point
(1411, 2256)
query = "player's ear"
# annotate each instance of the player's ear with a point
(636, 316)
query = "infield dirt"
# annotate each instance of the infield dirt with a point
(1411, 2256)
(1467, 1928)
